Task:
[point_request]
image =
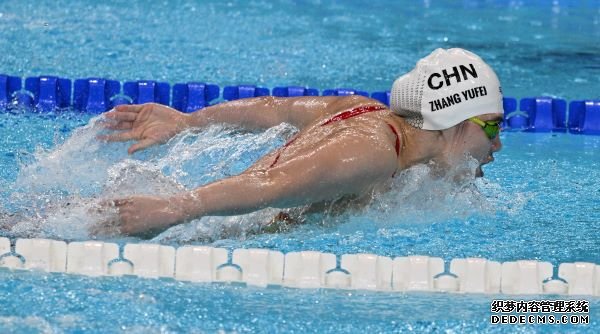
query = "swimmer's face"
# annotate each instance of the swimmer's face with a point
(472, 140)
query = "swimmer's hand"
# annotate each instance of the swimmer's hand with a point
(148, 124)
(142, 215)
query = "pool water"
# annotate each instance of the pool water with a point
(539, 199)
(147, 306)
(537, 47)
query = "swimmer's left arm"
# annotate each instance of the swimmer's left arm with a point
(150, 123)
(327, 173)
(267, 111)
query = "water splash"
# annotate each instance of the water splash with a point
(60, 190)
(79, 166)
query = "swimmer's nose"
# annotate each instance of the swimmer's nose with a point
(496, 144)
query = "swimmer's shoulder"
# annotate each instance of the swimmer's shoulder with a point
(349, 102)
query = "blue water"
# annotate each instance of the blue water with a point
(539, 199)
(537, 47)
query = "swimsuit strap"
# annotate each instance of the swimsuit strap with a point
(397, 139)
(397, 144)
(354, 112)
(281, 150)
(361, 110)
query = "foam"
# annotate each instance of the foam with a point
(72, 180)
(66, 185)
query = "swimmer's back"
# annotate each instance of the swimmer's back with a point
(349, 117)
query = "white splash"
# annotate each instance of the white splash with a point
(419, 195)
(60, 190)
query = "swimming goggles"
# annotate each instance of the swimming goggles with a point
(491, 128)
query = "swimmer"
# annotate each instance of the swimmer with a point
(447, 107)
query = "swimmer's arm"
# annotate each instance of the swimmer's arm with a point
(268, 111)
(150, 123)
(349, 163)
(325, 174)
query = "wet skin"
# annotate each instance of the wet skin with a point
(348, 158)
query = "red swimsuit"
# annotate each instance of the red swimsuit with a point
(342, 116)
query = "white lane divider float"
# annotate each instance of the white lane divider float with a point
(260, 267)
(368, 271)
(477, 275)
(416, 273)
(91, 258)
(42, 254)
(307, 269)
(583, 278)
(198, 263)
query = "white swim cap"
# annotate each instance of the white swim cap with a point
(446, 88)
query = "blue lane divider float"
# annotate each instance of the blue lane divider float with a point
(546, 114)
(8, 86)
(192, 96)
(290, 91)
(517, 121)
(97, 95)
(383, 97)
(94, 94)
(510, 106)
(537, 114)
(50, 93)
(145, 91)
(119, 99)
(584, 117)
(231, 93)
(344, 92)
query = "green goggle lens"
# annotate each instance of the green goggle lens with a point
(491, 128)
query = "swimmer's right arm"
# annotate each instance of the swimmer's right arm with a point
(325, 174)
